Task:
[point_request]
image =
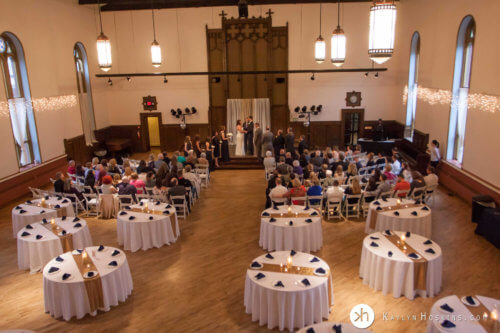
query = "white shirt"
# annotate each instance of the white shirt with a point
(269, 162)
(277, 193)
(396, 167)
(335, 193)
(431, 179)
(435, 155)
(407, 174)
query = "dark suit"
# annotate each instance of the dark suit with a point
(289, 143)
(278, 144)
(302, 146)
(258, 142)
(249, 139)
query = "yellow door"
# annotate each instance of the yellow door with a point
(154, 131)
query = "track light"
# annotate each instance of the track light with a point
(179, 111)
(304, 108)
(193, 110)
(376, 74)
(313, 108)
(319, 108)
(110, 82)
(165, 79)
(297, 109)
(366, 74)
(312, 77)
(187, 110)
(129, 78)
(172, 111)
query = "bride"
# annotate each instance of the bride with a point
(240, 139)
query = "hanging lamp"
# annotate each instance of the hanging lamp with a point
(382, 30)
(320, 45)
(338, 42)
(155, 46)
(103, 47)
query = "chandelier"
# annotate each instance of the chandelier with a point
(382, 30)
(338, 43)
(320, 45)
(155, 46)
(103, 48)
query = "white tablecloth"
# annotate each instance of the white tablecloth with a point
(145, 233)
(420, 224)
(280, 235)
(291, 306)
(33, 214)
(395, 274)
(327, 327)
(461, 316)
(69, 298)
(34, 253)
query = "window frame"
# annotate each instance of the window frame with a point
(411, 106)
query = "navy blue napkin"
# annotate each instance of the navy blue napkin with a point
(446, 307)
(388, 232)
(157, 203)
(307, 208)
(113, 263)
(447, 324)
(58, 197)
(63, 232)
(290, 223)
(376, 203)
(384, 199)
(100, 248)
(425, 208)
(29, 202)
(379, 208)
(315, 259)
(389, 253)
(123, 213)
(279, 284)
(79, 250)
(470, 300)
(276, 208)
(115, 253)
(19, 207)
(408, 234)
(76, 219)
(77, 225)
(168, 206)
(29, 226)
(90, 274)
(320, 270)
(22, 211)
(428, 242)
(65, 201)
(306, 282)
(42, 211)
(309, 221)
(25, 233)
(373, 244)
(269, 256)
(414, 213)
(255, 264)
(310, 330)
(66, 276)
(38, 236)
(53, 269)
(396, 213)
(165, 212)
(430, 250)
(373, 237)
(47, 197)
(337, 328)
(292, 253)
(314, 213)
(127, 207)
(59, 259)
(260, 276)
(413, 255)
(131, 218)
(151, 217)
(63, 218)
(265, 214)
(141, 203)
(57, 206)
(272, 219)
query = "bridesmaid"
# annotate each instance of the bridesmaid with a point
(187, 145)
(197, 147)
(209, 151)
(216, 148)
(224, 145)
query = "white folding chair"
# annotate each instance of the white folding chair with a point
(92, 206)
(142, 196)
(418, 194)
(87, 189)
(34, 192)
(77, 204)
(316, 202)
(125, 200)
(333, 208)
(385, 195)
(351, 205)
(366, 199)
(300, 199)
(401, 194)
(149, 190)
(429, 194)
(203, 171)
(180, 204)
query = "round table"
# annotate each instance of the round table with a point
(329, 327)
(294, 304)
(34, 252)
(38, 209)
(396, 272)
(70, 297)
(463, 316)
(147, 225)
(391, 216)
(303, 234)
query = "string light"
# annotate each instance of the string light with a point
(44, 104)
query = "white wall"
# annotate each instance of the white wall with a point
(438, 32)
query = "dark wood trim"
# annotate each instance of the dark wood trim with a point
(345, 112)
(16, 186)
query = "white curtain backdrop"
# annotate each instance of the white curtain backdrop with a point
(18, 118)
(239, 109)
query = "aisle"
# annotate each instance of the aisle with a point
(197, 283)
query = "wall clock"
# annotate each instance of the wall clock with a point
(353, 98)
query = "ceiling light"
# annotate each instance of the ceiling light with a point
(155, 46)
(338, 43)
(165, 79)
(103, 47)
(382, 30)
(312, 77)
(320, 45)
(129, 78)
(110, 82)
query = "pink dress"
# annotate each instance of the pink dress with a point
(139, 185)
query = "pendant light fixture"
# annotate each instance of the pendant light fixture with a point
(103, 47)
(382, 30)
(338, 42)
(320, 45)
(155, 46)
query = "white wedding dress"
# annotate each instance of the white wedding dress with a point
(240, 142)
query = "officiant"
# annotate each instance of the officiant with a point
(249, 135)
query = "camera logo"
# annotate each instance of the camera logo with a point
(362, 316)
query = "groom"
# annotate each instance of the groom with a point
(249, 135)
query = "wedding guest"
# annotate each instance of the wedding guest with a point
(352, 170)
(71, 168)
(175, 189)
(188, 145)
(329, 180)
(290, 141)
(269, 161)
(391, 177)
(88, 166)
(315, 190)
(358, 163)
(406, 172)
(302, 145)
(90, 179)
(371, 187)
(159, 161)
(150, 179)
(162, 172)
(317, 160)
(431, 179)
(95, 162)
(278, 144)
(303, 160)
(283, 168)
(113, 166)
(278, 193)
(435, 154)
(380, 159)
(193, 178)
(396, 164)
(289, 159)
(79, 171)
(151, 162)
(104, 163)
(370, 162)
(322, 172)
(297, 169)
(418, 182)
(335, 193)
(107, 185)
(165, 157)
(339, 172)
(59, 183)
(126, 188)
(68, 188)
(197, 146)
(353, 189)
(101, 172)
(117, 178)
(143, 167)
(401, 185)
(135, 181)
(384, 186)
(308, 170)
(297, 190)
(203, 160)
(191, 159)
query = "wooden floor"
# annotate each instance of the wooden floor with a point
(196, 284)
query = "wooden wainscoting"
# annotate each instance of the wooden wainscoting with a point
(16, 186)
(173, 135)
(76, 149)
(465, 184)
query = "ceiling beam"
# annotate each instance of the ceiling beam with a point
(116, 5)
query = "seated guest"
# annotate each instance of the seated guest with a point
(151, 161)
(418, 182)
(203, 159)
(339, 172)
(127, 171)
(317, 160)
(59, 183)
(101, 172)
(107, 185)
(71, 169)
(181, 160)
(401, 185)
(335, 193)
(88, 166)
(380, 159)
(406, 171)
(388, 173)
(278, 193)
(343, 162)
(193, 178)
(315, 190)
(113, 167)
(269, 161)
(322, 172)
(95, 162)
(288, 158)
(297, 190)
(150, 179)
(165, 157)
(371, 187)
(303, 160)
(117, 178)
(90, 179)
(307, 171)
(329, 180)
(354, 188)
(191, 159)
(283, 168)
(384, 186)
(144, 168)
(297, 169)
(159, 162)
(329, 158)
(104, 163)
(358, 163)
(79, 171)
(431, 179)
(68, 188)
(183, 181)
(352, 170)
(176, 190)
(396, 165)
(161, 174)
(370, 161)
(135, 181)
(125, 188)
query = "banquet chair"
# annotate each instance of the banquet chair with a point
(385, 195)
(203, 172)
(351, 205)
(300, 199)
(78, 206)
(142, 196)
(92, 206)
(401, 194)
(108, 206)
(34, 192)
(88, 189)
(316, 202)
(149, 190)
(381, 166)
(333, 209)
(158, 197)
(429, 193)
(191, 197)
(52, 180)
(269, 172)
(125, 200)
(180, 204)
(366, 199)
(418, 194)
